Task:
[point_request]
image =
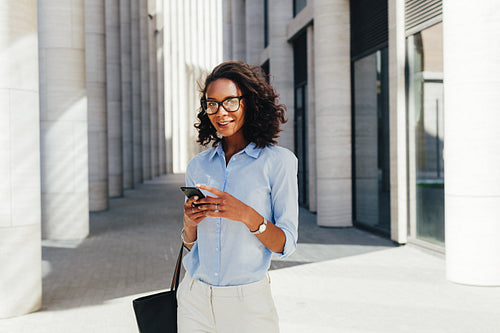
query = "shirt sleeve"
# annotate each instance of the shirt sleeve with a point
(284, 196)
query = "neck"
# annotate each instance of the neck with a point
(233, 145)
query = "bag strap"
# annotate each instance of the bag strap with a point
(177, 272)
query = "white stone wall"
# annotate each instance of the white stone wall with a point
(136, 91)
(397, 123)
(254, 31)
(281, 63)
(20, 211)
(114, 98)
(95, 63)
(333, 112)
(126, 92)
(193, 36)
(145, 98)
(63, 120)
(472, 141)
(94, 95)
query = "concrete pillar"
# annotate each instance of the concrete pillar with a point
(239, 34)
(397, 122)
(281, 63)
(153, 88)
(126, 93)
(227, 28)
(95, 70)
(63, 120)
(168, 83)
(254, 30)
(136, 91)
(160, 54)
(179, 114)
(113, 73)
(472, 139)
(145, 99)
(333, 112)
(20, 246)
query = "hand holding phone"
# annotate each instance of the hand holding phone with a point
(192, 191)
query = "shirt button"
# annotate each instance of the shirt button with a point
(216, 274)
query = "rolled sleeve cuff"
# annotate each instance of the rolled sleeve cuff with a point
(290, 244)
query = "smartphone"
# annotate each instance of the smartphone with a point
(192, 191)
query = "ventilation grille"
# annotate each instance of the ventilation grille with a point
(369, 26)
(420, 14)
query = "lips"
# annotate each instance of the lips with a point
(224, 123)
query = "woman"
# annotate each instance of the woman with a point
(250, 210)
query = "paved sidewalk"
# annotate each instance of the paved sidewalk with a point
(339, 279)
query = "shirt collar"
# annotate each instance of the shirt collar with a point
(251, 150)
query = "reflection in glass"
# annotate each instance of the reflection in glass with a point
(426, 133)
(371, 141)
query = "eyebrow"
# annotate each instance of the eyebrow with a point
(213, 99)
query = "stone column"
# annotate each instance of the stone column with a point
(281, 63)
(126, 93)
(397, 122)
(161, 85)
(168, 83)
(227, 27)
(153, 87)
(254, 31)
(332, 79)
(145, 105)
(238, 25)
(113, 73)
(63, 120)
(136, 91)
(20, 247)
(472, 141)
(95, 61)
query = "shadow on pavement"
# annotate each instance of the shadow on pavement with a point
(132, 247)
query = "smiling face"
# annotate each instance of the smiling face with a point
(228, 124)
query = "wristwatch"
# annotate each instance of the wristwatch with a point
(261, 228)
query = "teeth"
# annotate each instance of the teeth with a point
(224, 123)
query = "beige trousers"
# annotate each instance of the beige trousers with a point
(243, 309)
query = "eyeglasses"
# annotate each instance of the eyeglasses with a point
(230, 104)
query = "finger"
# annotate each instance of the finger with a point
(209, 207)
(209, 201)
(210, 189)
(189, 202)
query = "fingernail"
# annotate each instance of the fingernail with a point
(197, 185)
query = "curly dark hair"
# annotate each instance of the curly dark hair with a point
(263, 116)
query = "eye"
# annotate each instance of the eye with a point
(231, 102)
(212, 104)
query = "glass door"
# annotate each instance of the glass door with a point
(300, 116)
(426, 134)
(371, 141)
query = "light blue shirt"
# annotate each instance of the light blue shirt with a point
(226, 253)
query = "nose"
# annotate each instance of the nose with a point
(221, 110)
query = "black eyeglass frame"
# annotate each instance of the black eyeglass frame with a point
(221, 103)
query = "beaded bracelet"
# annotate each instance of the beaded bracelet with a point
(182, 237)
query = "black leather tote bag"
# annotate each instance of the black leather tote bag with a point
(157, 313)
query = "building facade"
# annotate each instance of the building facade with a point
(95, 97)
(380, 106)
(392, 113)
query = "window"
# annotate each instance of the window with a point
(298, 5)
(426, 134)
